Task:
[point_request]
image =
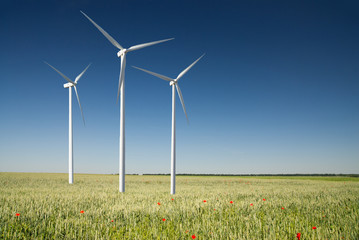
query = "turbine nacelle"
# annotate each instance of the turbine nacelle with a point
(67, 85)
(173, 82)
(121, 52)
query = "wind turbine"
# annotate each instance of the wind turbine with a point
(174, 83)
(69, 85)
(121, 87)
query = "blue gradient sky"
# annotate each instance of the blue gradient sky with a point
(277, 91)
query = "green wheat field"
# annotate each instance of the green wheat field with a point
(45, 206)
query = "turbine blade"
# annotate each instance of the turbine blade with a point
(80, 75)
(188, 68)
(78, 100)
(122, 75)
(182, 102)
(155, 74)
(63, 75)
(113, 41)
(139, 46)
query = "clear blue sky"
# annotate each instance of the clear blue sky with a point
(277, 91)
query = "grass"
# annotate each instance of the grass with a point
(50, 208)
(315, 178)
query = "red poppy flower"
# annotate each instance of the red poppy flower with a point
(111, 220)
(172, 199)
(17, 214)
(231, 202)
(193, 236)
(251, 204)
(314, 227)
(264, 199)
(214, 209)
(283, 208)
(158, 203)
(298, 236)
(163, 219)
(82, 211)
(204, 201)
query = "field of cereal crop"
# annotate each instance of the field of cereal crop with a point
(44, 206)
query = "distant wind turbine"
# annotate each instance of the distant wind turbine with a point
(121, 87)
(69, 85)
(174, 83)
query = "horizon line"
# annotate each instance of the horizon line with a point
(211, 174)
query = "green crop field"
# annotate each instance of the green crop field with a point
(45, 206)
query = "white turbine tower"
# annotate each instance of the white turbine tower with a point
(69, 85)
(121, 87)
(173, 83)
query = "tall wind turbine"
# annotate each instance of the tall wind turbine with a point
(121, 87)
(69, 85)
(174, 84)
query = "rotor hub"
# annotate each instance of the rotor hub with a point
(121, 52)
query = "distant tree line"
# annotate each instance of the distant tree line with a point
(258, 175)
